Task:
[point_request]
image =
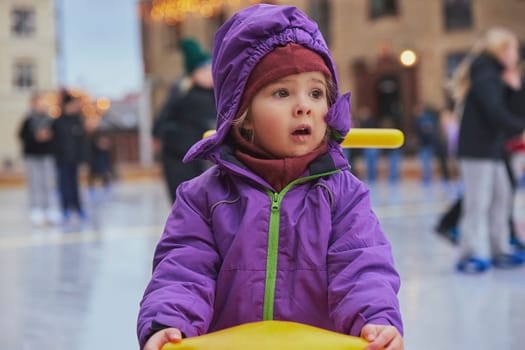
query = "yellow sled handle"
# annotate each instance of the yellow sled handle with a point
(373, 138)
(271, 335)
(365, 138)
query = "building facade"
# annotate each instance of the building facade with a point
(367, 38)
(27, 63)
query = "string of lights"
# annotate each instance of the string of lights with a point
(173, 11)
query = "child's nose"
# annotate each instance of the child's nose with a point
(302, 107)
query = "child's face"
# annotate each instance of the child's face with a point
(287, 117)
(39, 105)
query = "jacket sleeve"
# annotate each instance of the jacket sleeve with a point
(517, 102)
(362, 281)
(24, 132)
(181, 291)
(489, 91)
(167, 111)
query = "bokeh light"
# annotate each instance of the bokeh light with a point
(408, 58)
(103, 103)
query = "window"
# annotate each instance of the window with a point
(213, 24)
(381, 8)
(452, 62)
(172, 35)
(457, 14)
(23, 21)
(320, 11)
(24, 75)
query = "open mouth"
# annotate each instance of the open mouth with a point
(302, 130)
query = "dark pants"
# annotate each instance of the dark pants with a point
(176, 172)
(441, 154)
(100, 167)
(68, 186)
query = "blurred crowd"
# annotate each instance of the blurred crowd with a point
(476, 141)
(435, 144)
(57, 138)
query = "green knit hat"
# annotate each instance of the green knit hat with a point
(194, 56)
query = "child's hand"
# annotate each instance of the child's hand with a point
(157, 340)
(43, 135)
(382, 337)
(512, 78)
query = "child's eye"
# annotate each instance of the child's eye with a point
(281, 93)
(317, 93)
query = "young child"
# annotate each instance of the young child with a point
(279, 228)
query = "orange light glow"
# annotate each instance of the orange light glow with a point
(173, 11)
(103, 103)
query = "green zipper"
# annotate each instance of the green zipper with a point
(273, 243)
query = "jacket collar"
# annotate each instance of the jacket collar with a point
(332, 160)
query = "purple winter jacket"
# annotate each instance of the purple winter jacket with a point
(234, 251)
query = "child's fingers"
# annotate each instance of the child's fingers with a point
(369, 332)
(173, 335)
(396, 344)
(385, 339)
(159, 339)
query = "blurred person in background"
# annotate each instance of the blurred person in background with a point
(447, 225)
(515, 145)
(188, 112)
(394, 154)
(36, 137)
(448, 222)
(486, 119)
(69, 147)
(426, 130)
(365, 119)
(99, 156)
(353, 154)
(441, 146)
(449, 131)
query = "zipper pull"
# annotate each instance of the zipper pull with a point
(275, 202)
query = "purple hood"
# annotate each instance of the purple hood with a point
(240, 44)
